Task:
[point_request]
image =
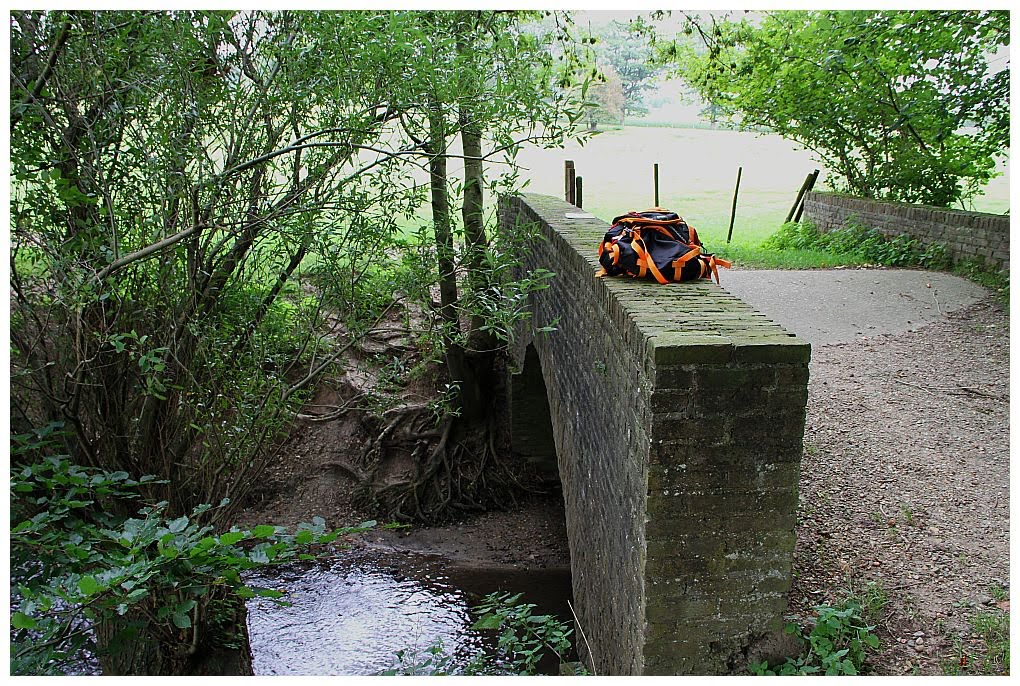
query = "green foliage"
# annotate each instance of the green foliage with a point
(437, 661)
(837, 644)
(157, 233)
(858, 244)
(899, 105)
(76, 564)
(524, 638)
(872, 600)
(800, 245)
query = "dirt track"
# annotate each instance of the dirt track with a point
(905, 480)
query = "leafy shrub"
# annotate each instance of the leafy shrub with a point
(978, 272)
(76, 563)
(793, 235)
(837, 643)
(860, 244)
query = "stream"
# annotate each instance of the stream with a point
(351, 615)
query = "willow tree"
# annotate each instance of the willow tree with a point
(171, 173)
(486, 83)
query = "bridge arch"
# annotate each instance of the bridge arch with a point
(677, 417)
(531, 432)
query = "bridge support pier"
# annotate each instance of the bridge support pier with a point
(677, 414)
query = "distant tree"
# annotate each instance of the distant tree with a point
(901, 105)
(712, 113)
(627, 50)
(607, 94)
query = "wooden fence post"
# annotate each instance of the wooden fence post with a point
(800, 210)
(733, 210)
(808, 184)
(568, 181)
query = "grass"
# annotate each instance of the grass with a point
(697, 175)
(756, 257)
(986, 651)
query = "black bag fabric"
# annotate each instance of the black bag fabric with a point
(659, 244)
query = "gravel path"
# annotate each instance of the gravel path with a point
(905, 481)
(825, 306)
(905, 476)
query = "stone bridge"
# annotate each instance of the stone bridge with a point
(675, 418)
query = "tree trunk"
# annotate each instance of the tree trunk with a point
(481, 344)
(473, 211)
(445, 251)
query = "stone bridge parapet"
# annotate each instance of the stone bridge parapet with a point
(675, 415)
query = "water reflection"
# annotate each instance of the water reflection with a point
(350, 616)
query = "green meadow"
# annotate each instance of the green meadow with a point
(697, 174)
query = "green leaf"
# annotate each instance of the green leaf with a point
(232, 537)
(137, 595)
(203, 545)
(488, 622)
(22, 621)
(263, 531)
(182, 620)
(178, 525)
(88, 585)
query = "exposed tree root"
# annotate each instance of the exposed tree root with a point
(422, 473)
(412, 465)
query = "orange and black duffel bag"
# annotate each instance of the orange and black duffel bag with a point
(656, 243)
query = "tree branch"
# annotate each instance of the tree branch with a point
(147, 251)
(40, 82)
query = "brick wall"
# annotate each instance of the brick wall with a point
(677, 414)
(965, 234)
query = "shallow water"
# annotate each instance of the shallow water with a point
(351, 615)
